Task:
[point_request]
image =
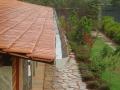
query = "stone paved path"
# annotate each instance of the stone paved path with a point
(62, 77)
(68, 77)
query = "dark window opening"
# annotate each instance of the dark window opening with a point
(5, 60)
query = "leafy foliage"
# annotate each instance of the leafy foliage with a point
(111, 28)
(76, 27)
(117, 50)
(59, 3)
(73, 20)
(98, 54)
(86, 24)
(93, 8)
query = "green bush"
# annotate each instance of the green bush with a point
(111, 28)
(104, 86)
(86, 24)
(94, 85)
(105, 63)
(87, 75)
(98, 54)
(117, 50)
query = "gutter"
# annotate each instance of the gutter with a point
(58, 40)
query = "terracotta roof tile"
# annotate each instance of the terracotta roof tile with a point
(27, 29)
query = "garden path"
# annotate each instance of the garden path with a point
(107, 40)
(67, 76)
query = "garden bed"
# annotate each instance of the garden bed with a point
(111, 28)
(101, 71)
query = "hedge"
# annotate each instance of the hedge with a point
(111, 28)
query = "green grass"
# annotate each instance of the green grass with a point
(113, 79)
(111, 76)
(98, 47)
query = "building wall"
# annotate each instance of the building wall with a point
(22, 79)
(6, 78)
(17, 75)
(5, 72)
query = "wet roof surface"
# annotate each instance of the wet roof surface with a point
(27, 30)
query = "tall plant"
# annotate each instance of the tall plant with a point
(83, 34)
(86, 24)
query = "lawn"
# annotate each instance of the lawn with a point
(112, 78)
(111, 75)
(98, 47)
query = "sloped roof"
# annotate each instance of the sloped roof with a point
(27, 30)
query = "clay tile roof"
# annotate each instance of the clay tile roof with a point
(27, 30)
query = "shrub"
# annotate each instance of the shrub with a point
(85, 28)
(105, 51)
(117, 50)
(98, 55)
(87, 76)
(93, 84)
(76, 34)
(86, 24)
(110, 62)
(83, 52)
(83, 66)
(73, 20)
(104, 86)
(111, 28)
